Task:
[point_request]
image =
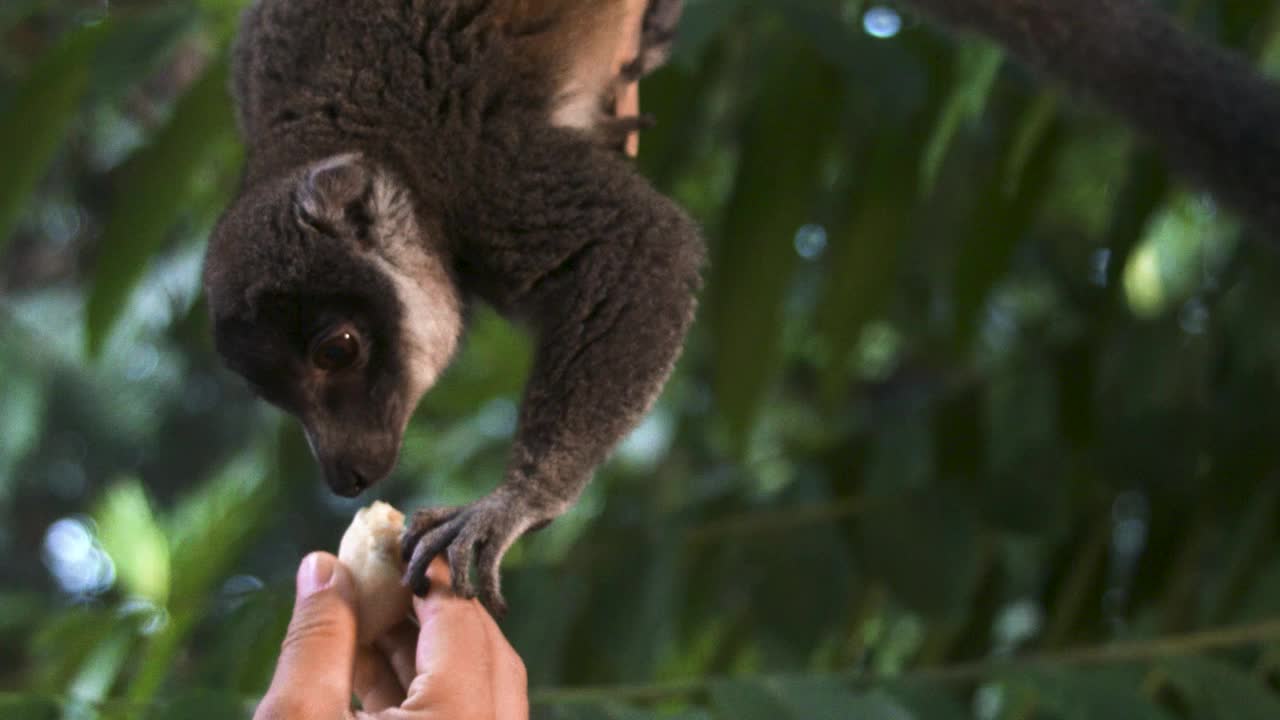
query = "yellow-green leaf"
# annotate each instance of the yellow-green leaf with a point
(138, 547)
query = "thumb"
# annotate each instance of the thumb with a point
(313, 675)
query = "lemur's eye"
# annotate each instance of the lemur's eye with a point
(336, 349)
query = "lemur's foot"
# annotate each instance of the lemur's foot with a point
(657, 35)
(480, 532)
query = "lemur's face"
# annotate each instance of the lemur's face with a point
(325, 299)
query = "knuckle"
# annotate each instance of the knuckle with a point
(515, 666)
(312, 627)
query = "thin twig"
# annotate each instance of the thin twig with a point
(1114, 653)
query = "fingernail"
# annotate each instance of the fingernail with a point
(315, 574)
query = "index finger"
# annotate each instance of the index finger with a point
(453, 662)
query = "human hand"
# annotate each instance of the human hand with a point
(456, 665)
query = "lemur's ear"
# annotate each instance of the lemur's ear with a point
(335, 196)
(346, 196)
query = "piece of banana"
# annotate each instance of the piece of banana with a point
(371, 551)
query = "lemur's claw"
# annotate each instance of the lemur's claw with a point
(481, 531)
(615, 131)
(419, 524)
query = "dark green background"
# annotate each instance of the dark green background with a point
(979, 418)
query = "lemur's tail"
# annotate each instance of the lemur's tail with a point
(1215, 117)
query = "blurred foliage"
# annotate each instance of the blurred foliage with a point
(977, 422)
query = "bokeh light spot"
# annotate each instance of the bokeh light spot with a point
(1194, 317)
(76, 560)
(497, 419)
(882, 22)
(649, 442)
(811, 241)
(1100, 263)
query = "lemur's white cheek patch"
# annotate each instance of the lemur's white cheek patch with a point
(430, 325)
(431, 309)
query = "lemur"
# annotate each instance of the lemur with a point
(407, 158)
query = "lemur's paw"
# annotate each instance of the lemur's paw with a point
(480, 532)
(615, 131)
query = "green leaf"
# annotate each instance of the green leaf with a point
(926, 547)
(807, 698)
(1214, 690)
(208, 531)
(774, 195)
(202, 704)
(209, 527)
(641, 583)
(700, 24)
(822, 698)
(1005, 211)
(98, 60)
(862, 272)
(671, 96)
(19, 610)
(158, 187)
(136, 47)
(927, 702)
(551, 601)
(978, 65)
(746, 700)
(103, 665)
(28, 706)
(1028, 138)
(1102, 694)
(242, 658)
(599, 711)
(222, 16)
(33, 126)
(14, 11)
(59, 648)
(137, 546)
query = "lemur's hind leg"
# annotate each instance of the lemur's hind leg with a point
(657, 35)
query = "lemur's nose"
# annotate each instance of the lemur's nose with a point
(345, 479)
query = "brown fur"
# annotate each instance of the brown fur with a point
(406, 158)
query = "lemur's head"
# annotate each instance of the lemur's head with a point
(327, 297)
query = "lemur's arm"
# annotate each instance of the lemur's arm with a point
(1214, 115)
(604, 270)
